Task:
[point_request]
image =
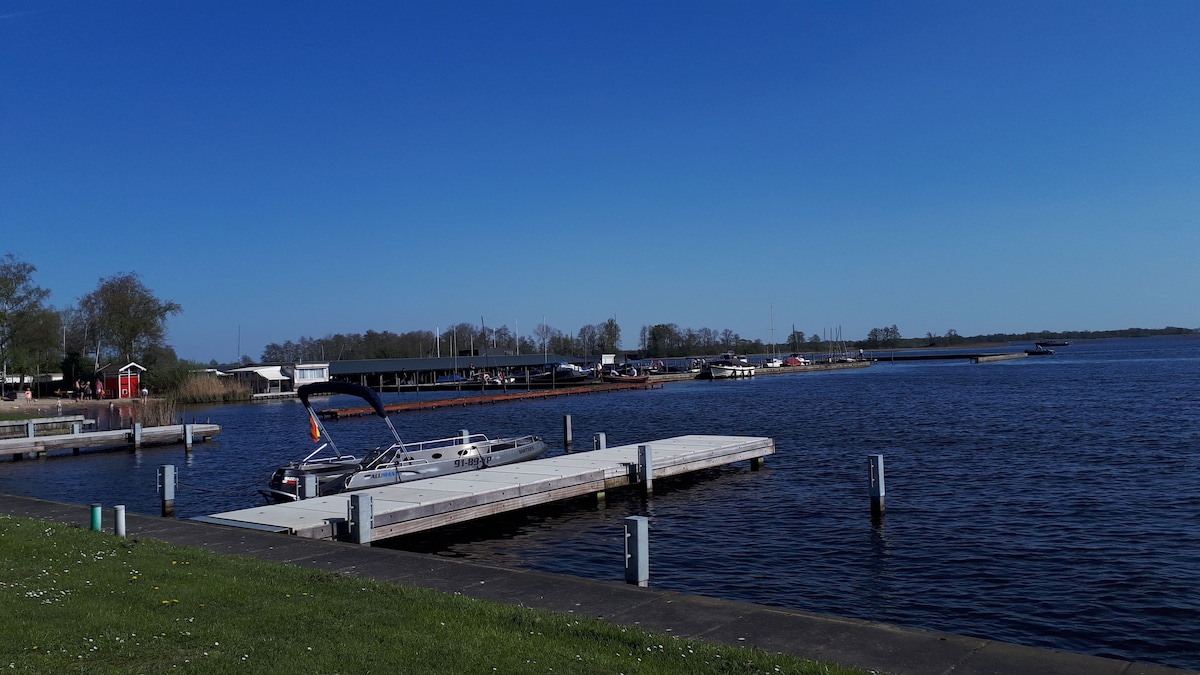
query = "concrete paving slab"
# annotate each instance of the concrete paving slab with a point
(1000, 658)
(684, 616)
(782, 631)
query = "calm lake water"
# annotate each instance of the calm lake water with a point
(1050, 501)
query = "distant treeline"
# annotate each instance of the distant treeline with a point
(657, 341)
(889, 338)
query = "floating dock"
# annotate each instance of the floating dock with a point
(76, 441)
(425, 504)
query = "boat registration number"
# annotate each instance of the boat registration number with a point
(469, 461)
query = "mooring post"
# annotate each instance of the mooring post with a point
(646, 468)
(757, 463)
(76, 429)
(166, 486)
(599, 441)
(96, 516)
(137, 435)
(361, 518)
(566, 431)
(466, 435)
(187, 436)
(308, 486)
(637, 550)
(119, 520)
(877, 491)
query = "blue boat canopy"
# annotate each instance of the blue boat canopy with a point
(365, 393)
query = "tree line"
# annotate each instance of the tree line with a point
(120, 320)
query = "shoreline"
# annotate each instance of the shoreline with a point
(54, 406)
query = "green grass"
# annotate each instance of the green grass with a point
(77, 601)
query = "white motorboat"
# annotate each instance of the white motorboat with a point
(730, 365)
(326, 471)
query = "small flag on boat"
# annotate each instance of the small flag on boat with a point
(315, 431)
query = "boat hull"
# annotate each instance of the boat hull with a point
(721, 372)
(415, 462)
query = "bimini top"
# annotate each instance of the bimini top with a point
(365, 393)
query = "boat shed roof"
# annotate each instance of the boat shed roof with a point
(444, 363)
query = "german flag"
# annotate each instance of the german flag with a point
(314, 431)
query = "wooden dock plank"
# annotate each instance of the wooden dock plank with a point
(104, 439)
(405, 508)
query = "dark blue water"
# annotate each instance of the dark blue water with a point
(1050, 501)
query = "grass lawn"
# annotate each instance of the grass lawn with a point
(77, 601)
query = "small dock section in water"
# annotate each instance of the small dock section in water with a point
(77, 439)
(425, 504)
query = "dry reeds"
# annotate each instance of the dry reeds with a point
(207, 389)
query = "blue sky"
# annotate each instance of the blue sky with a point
(289, 169)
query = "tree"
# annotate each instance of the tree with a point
(20, 304)
(610, 337)
(588, 339)
(128, 322)
(664, 340)
(796, 340)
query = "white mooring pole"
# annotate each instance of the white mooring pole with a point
(877, 490)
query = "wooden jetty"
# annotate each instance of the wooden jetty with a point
(30, 427)
(338, 413)
(420, 505)
(131, 438)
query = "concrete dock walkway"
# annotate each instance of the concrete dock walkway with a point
(871, 646)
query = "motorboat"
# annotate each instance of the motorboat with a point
(773, 362)
(1052, 343)
(615, 377)
(1039, 350)
(730, 365)
(327, 470)
(561, 373)
(796, 360)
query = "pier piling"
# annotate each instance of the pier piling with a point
(599, 441)
(166, 486)
(308, 486)
(876, 481)
(96, 517)
(567, 431)
(360, 518)
(637, 550)
(646, 469)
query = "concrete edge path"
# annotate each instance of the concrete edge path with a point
(867, 645)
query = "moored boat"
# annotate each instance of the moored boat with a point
(1039, 351)
(561, 373)
(327, 471)
(729, 366)
(617, 378)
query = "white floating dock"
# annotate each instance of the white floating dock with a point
(405, 508)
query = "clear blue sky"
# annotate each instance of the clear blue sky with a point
(290, 169)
